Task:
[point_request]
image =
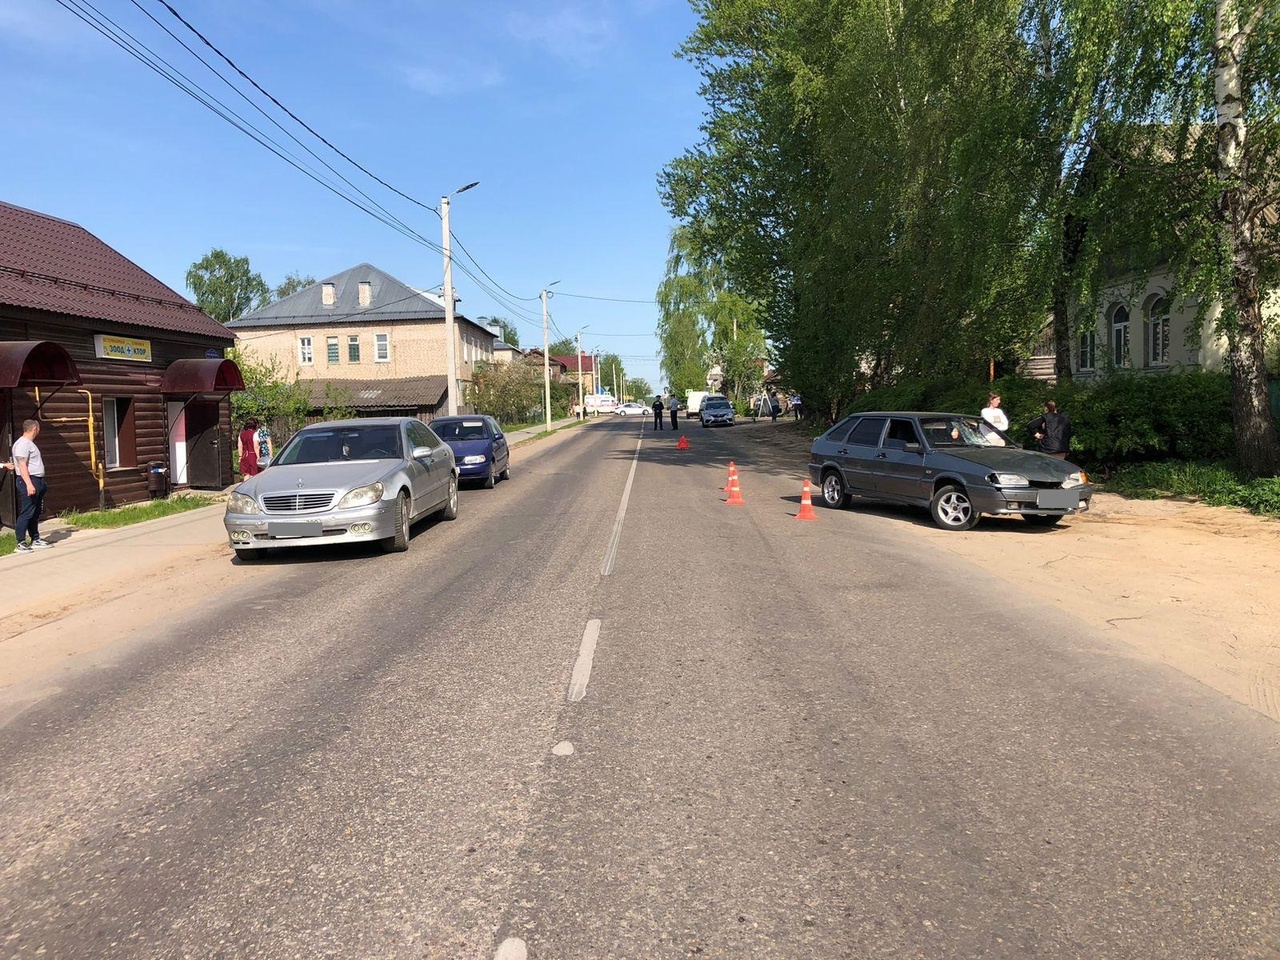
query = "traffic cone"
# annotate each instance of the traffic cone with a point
(806, 504)
(683, 444)
(735, 493)
(733, 472)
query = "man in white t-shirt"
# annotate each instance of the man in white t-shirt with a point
(995, 416)
(29, 467)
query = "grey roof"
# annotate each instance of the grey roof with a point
(392, 300)
(390, 394)
(502, 345)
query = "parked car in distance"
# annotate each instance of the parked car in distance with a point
(345, 481)
(632, 409)
(478, 446)
(959, 467)
(716, 410)
(693, 402)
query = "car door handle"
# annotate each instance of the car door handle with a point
(882, 456)
(843, 451)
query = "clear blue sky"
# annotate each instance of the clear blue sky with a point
(564, 110)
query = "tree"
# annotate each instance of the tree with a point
(568, 347)
(339, 403)
(267, 396)
(638, 388)
(613, 375)
(226, 287)
(511, 392)
(291, 284)
(509, 332)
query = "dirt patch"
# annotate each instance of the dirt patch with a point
(1186, 584)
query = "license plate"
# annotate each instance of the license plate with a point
(294, 528)
(1058, 499)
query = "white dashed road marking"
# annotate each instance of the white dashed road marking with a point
(513, 948)
(582, 668)
(622, 513)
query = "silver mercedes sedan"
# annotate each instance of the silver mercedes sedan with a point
(345, 481)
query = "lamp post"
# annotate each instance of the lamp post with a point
(581, 408)
(450, 350)
(546, 350)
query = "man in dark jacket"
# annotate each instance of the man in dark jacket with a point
(1053, 430)
(657, 414)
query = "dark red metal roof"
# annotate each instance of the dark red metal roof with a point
(571, 362)
(35, 363)
(201, 376)
(55, 265)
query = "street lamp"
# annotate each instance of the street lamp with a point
(450, 350)
(546, 350)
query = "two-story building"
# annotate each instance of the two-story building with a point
(126, 377)
(367, 338)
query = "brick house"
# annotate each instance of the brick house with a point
(364, 330)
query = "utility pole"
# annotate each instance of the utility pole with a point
(450, 350)
(546, 350)
(584, 412)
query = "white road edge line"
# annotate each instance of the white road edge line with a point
(582, 667)
(616, 537)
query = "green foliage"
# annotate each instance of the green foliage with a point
(509, 332)
(568, 347)
(639, 389)
(511, 392)
(291, 284)
(268, 397)
(226, 287)
(338, 403)
(137, 512)
(1215, 482)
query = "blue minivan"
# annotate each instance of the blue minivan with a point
(478, 446)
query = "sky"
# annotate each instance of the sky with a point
(565, 111)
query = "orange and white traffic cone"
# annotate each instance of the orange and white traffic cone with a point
(735, 492)
(733, 472)
(806, 504)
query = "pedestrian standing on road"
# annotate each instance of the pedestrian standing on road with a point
(1053, 430)
(657, 413)
(993, 415)
(797, 406)
(265, 446)
(775, 408)
(31, 488)
(248, 447)
(674, 407)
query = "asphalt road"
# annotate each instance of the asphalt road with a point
(795, 740)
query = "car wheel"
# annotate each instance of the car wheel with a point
(399, 541)
(249, 556)
(506, 472)
(952, 509)
(450, 509)
(1042, 519)
(489, 481)
(834, 495)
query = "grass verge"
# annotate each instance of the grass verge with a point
(8, 543)
(1215, 482)
(136, 512)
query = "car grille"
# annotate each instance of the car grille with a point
(300, 502)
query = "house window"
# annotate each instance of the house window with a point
(382, 347)
(353, 349)
(120, 447)
(331, 349)
(1120, 337)
(304, 351)
(1088, 350)
(1158, 333)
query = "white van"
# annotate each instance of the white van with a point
(597, 403)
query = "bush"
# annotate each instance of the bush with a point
(1121, 419)
(1215, 482)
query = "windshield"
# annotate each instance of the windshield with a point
(327, 444)
(715, 405)
(962, 432)
(459, 429)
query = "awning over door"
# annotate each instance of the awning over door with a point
(202, 376)
(36, 363)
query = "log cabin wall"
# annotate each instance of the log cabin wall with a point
(64, 433)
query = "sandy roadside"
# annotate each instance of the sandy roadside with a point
(1181, 583)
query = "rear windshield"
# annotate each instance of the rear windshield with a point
(459, 429)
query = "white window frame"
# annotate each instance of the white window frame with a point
(305, 353)
(332, 350)
(110, 433)
(1087, 348)
(382, 348)
(1121, 342)
(1158, 333)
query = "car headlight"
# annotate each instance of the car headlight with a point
(241, 503)
(361, 496)
(1008, 480)
(474, 459)
(1075, 480)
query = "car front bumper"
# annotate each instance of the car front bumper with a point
(1052, 502)
(473, 471)
(257, 531)
(712, 421)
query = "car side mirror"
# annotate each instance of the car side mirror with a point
(912, 447)
(497, 436)
(422, 453)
